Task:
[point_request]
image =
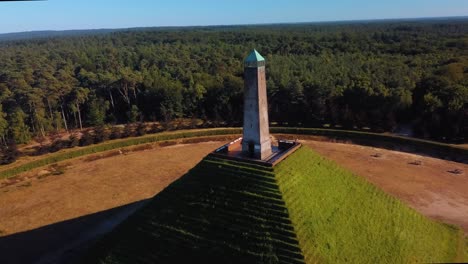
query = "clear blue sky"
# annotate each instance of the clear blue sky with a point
(91, 14)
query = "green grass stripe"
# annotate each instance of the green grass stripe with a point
(70, 154)
(339, 217)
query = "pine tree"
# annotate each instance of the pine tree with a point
(97, 112)
(18, 129)
(133, 114)
(3, 126)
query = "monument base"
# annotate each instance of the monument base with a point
(257, 151)
(234, 151)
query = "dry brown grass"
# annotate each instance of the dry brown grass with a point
(93, 184)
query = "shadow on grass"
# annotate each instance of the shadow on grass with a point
(65, 241)
(216, 213)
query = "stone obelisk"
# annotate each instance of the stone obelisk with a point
(256, 142)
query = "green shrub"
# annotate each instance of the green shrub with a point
(156, 128)
(86, 139)
(116, 133)
(59, 144)
(101, 134)
(128, 131)
(9, 153)
(141, 129)
(74, 141)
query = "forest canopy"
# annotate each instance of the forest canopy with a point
(383, 76)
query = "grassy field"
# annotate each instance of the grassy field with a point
(306, 209)
(339, 218)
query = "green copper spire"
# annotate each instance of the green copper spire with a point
(254, 56)
(254, 60)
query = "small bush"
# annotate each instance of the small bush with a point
(9, 154)
(86, 139)
(168, 125)
(128, 131)
(156, 128)
(101, 134)
(141, 129)
(74, 141)
(116, 133)
(41, 150)
(193, 122)
(58, 145)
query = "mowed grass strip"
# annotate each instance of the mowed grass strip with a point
(339, 217)
(219, 212)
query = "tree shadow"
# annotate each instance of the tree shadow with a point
(63, 242)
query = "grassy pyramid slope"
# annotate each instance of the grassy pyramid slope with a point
(305, 210)
(220, 212)
(339, 218)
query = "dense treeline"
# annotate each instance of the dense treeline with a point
(382, 76)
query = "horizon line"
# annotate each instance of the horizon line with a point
(233, 25)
